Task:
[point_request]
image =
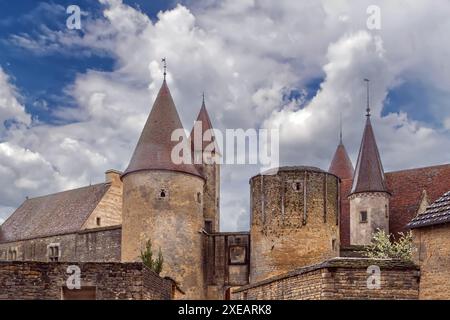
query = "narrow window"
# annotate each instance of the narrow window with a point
(162, 194)
(199, 197)
(363, 217)
(297, 186)
(98, 221)
(53, 252)
(386, 211)
(333, 244)
(208, 226)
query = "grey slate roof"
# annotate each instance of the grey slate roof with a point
(369, 173)
(436, 213)
(59, 213)
(154, 148)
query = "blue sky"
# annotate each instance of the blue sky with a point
(73, 102)
(42, 78)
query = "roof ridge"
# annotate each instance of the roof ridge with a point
(420, 168)
(68, 190)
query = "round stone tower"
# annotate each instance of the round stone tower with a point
(294, 221)
(163, 202)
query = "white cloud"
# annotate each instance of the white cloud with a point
(10, 107)
(246, 56)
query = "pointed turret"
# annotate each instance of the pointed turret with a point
(341, 165)
(369, 197)
(369, 173)
(209, 169)
(205, 122)
(153, 150)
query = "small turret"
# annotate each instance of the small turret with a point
(369, 196)
(341, 165)
(209, 170)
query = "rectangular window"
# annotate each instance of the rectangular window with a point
(208, 226)
(12, 254)
(98, 221)
(53, 252)
(363, 217)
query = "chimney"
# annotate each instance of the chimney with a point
(112, 176)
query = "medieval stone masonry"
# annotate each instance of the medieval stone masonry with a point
(308, 229)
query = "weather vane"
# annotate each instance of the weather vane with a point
(368, 101)
(163, 60)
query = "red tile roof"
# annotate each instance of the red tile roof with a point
(406, 189)
(154, 148)
(369, 173)
(341, 165)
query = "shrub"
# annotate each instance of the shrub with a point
(147, 258)
(382, 246)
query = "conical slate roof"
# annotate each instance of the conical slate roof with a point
(369, 173)
(341, 165)
(203, 118)
(154, 148)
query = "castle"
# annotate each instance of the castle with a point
(307, 228)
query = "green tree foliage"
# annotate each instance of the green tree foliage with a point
(383, 246)
(147, 258)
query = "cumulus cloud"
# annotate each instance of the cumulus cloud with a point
(248, 57)
(10, 107)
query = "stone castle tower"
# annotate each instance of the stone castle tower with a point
(164, 202)
(294, 220)
(369, 196)
(209, 169)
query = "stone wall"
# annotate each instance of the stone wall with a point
(376, 206)
(93, 245)
(227, 258)
(107, 281)
(211, 195)
(109, 210)
(294, 220)
(432, 254)
(337, 279)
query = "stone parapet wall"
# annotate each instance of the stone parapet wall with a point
(107, 281)
(336, 279)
